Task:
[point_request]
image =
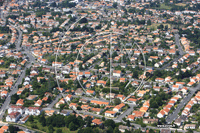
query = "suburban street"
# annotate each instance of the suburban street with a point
(181, 53)
(184, 101)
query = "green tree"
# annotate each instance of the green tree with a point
(31, 119)
(117, 101)
(149, 22)
(116, 130)
(115, 5)
(72, 126)
(13, 129)
(50, 129)
(59, 131)
(42, 119)
(109, 130)
(110, 122)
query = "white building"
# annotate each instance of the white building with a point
(14, 108)
(13, 117)
(33, 111)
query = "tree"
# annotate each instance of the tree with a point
(116, 130)
(88, 121)
(14, 98)
(117, 101)
(59, 131)
(128, 123)
(50, 128)
(42, 119)
(13, 129)
(83, 20)
(31, 119)
(115, 4)
(72, 126)
(110, 129)
(110, 122)
(149, 22)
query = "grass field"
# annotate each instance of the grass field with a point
(164, 7)
(154, 26)
(181, 4)
(45, 129)
(4, 69)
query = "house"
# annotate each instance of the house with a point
(33, 111)
(79, 91)
(2, 74)
(99, 103)
(14, 108)
(13, 66)
(159, 80)
(165, 130)
(150, 121)
(57, 64)
(62, 101)
(68, 97)
(38, 103)
(2, 36)
(178, 121)
(20, 102)
(4, 93)
(189, 126)
(87, 74)
(119, 107)
(4, 128)
(110, 113)
(32, 97)
(132, 100)
(84, 101)
(90, 92)
(85, 107)
(123, 128)
(97, 122)
(101, 82)
(97, 110)
(175, 88)
(73, 105)
(117, 73)
(121, 97)
(110, 95)
(13, 117)
(24, 120)
(131, 118)
(44, 61)
(161, 114)
(138, 114)
(65, 112)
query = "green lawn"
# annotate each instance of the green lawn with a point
(155, 25)
(4, 69)
(164, 7)
(45, 129)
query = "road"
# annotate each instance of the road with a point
(54, 101)
(174, 115)
(195, 70)
(127, 112)
(18, 42)
(12, 92)
(2, 17)
(181, 53)
(177, 41)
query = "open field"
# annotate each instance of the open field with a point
(180, 4)
(4, 69)
(154, 26)
(45, 129)
(164, 7)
